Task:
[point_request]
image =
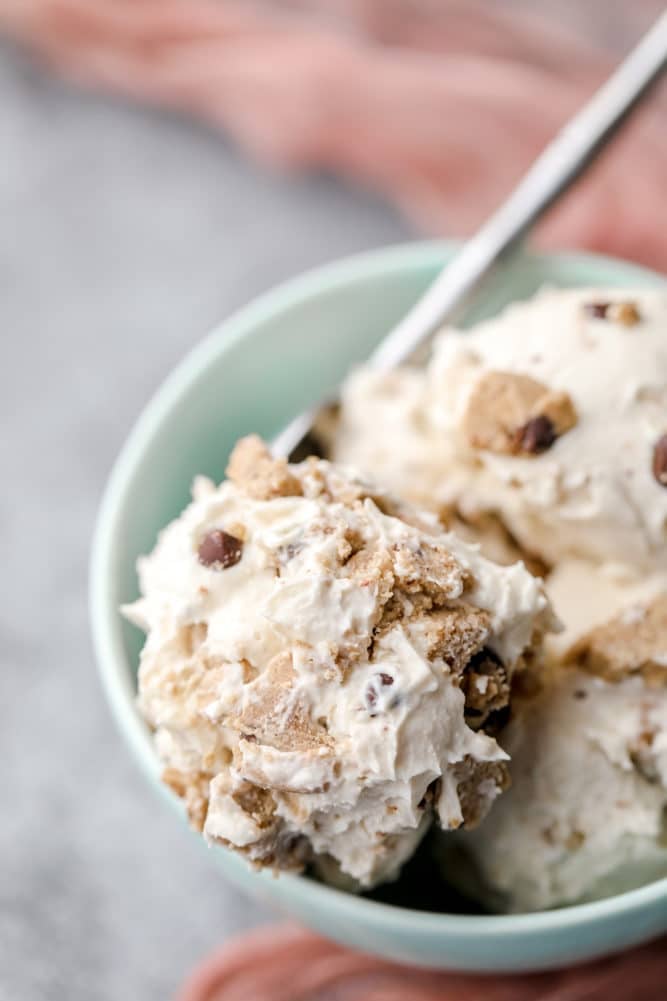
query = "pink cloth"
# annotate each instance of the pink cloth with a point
(284, 963)
(437, 104)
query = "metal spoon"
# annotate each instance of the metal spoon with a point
(563, 160)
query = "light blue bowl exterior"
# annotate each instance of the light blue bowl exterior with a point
(266, 363)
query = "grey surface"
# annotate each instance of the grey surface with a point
(124, 235)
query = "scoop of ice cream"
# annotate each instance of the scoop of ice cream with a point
(552, 415)
(322, 666)
(586, 815)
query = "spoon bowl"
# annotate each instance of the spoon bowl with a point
(275, 358)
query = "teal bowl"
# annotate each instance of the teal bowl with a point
(271, 360)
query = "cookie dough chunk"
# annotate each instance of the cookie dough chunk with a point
(513, 414)
(633, 642)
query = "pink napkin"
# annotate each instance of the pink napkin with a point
(437, 104)
(285, 963)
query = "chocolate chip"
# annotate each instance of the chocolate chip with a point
(385, 679)
(660, 460)
(535, 436)
(481, 657)
(598, 310)
(497, 720)
(220, 550)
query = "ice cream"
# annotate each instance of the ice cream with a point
(586, 815)
(551, 416)
(544, 432)
(323, 666)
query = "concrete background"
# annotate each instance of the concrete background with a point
(124, 236)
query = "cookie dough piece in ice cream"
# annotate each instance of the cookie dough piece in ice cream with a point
(552, 416)
(586, 815)
(586, 595)
(323, 666)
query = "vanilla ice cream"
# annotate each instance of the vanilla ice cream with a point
(551, 416)
(586, 815)
(323, 667)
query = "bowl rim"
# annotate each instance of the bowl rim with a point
(105, 621)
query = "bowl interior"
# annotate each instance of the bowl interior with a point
(289, 349)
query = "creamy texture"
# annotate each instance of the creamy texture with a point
(586, 815)
(315, 696)
(592, 494)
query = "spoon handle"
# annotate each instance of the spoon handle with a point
(561, 162)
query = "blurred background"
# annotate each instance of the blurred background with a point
(161, 163)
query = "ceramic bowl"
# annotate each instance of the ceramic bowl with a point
(272, 359)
